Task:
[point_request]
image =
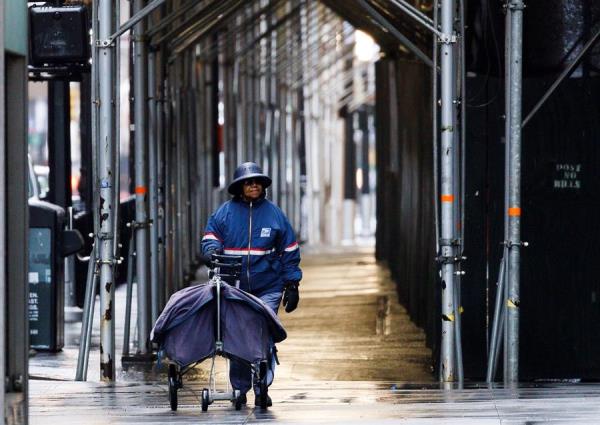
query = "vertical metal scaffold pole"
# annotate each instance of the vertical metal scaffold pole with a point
(448, 198)
(3, 211)
(141, 209)
(92, 275)
(435, 109)
(514, 85)
(160, 178)
(105, 176)
(505, 258)
(153, 183)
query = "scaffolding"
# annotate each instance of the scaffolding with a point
(229, 74)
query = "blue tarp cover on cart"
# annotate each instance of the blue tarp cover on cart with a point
(186, 329)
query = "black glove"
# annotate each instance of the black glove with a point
(207, 258)
(291, 296)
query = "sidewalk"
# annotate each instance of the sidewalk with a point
(350, 352)
(349, 325)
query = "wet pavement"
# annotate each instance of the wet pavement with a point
(317, 402)
(352, 355)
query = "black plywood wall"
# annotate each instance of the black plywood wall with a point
(405, 220)
(560, 283)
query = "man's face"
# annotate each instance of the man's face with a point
(252, 189)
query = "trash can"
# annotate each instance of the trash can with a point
(49, 243)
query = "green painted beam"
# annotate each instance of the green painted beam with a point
(15, 26)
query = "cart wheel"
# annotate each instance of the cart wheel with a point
(173, 386)
(237, 397)
(204, 399)
(238, 403)
(264, 394)
(264, 388)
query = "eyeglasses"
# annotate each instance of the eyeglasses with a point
(251, 182)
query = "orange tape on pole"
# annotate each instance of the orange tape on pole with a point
(514, 212)
(140, 190)
(447, 198)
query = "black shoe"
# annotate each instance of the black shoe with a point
(257, 401)
(243, 399)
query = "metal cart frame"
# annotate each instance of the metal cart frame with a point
(229, 267)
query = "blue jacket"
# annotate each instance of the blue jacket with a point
(270, 255)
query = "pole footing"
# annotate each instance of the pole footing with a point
(138, 360)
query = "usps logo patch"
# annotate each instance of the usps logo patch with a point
(265, 232)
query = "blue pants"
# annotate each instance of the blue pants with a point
(240, 374)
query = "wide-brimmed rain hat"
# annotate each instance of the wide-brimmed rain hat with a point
(248, 170)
